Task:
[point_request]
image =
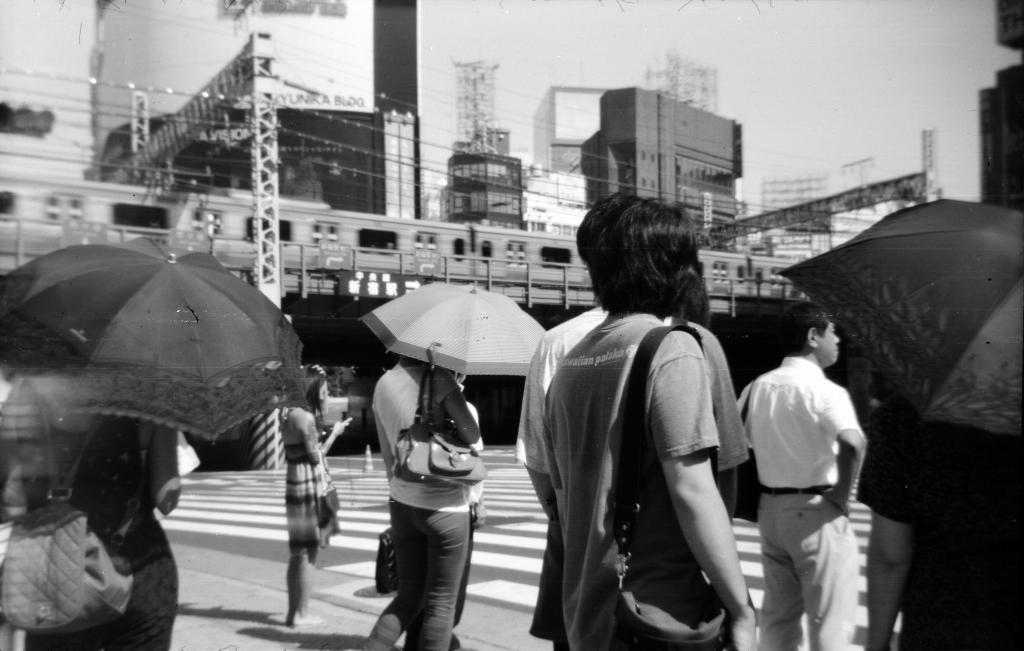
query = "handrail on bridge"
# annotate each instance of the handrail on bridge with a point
(529, 283)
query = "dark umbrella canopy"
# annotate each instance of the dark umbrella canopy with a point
(160, 333)
(933, 295)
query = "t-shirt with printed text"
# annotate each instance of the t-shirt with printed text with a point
(583, 434)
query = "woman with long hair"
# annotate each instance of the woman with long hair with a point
(430, 522)
(308, 529)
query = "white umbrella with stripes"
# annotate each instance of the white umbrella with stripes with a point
(467, 329)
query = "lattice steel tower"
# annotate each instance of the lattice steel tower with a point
(686, 81)
(474, 97)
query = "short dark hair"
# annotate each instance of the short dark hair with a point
(642, 255)
(797, 321)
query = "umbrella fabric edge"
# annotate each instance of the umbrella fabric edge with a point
(174, 423)
(460, 366)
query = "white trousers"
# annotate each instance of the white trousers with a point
(809, 553)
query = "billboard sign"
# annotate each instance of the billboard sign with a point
(377, 285)
(323, 52)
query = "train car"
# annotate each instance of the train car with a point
(38, 216)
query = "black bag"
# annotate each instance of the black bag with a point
(640, 625)
(748, 486)
(386, 574)
(431, 453)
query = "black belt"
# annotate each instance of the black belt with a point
(813, 490)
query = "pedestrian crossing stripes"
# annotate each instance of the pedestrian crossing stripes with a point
(508, 550)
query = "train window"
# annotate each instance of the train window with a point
(373, 239)
(126, 214)
(284, 232)
(515, 253)
(555, 254)
(60, 207)
(75, 208)
(720, 270)
(207, 221)
(6, 203)
(53, 210)
(486, 250)
(741, 271)
(326, 232)
(759, 274)
(426, 241)
(459, 246)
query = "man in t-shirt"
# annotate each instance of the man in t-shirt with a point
(547, 621)
(642, 259)
(795, 418)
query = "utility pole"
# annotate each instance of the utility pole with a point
(265, 164)
(928, 162)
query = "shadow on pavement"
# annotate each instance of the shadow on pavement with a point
(304, 640)
(232, 614)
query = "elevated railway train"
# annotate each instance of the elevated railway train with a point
(38, 216)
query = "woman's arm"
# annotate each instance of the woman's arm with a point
(457, 408)
(708, 532)
(305, 425)
(336, 431)
(162, 464)
(890, 551)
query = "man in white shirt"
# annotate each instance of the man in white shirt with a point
(548, 623)
(795, 421)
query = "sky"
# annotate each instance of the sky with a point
(817, 84)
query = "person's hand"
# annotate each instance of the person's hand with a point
(743, 631)
(838, 497)
(340, 426)
(479, 514)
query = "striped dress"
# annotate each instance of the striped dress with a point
(300, 495)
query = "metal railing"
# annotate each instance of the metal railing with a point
(529, 283)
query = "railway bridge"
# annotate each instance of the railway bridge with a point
(327, 288)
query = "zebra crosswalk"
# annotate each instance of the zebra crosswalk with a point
(508, 549)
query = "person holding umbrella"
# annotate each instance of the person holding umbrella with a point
(933, 295)
(309, 529)
(108, 340)
(121, 460)
(431, 522)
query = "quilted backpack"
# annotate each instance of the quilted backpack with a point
(59, 577)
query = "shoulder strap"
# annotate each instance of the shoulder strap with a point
(634, 436)
(63, 492)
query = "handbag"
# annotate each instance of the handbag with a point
(642, 625)
(432, 453)
(327, 502)
(59, 577)
(748, 486)
(386, 573)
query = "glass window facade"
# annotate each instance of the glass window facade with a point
(703, 177)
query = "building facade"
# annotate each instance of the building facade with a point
(564, 120)
(347, 94)
(485, 188)
(653, 146)
(554, 202)
(1002, 118)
